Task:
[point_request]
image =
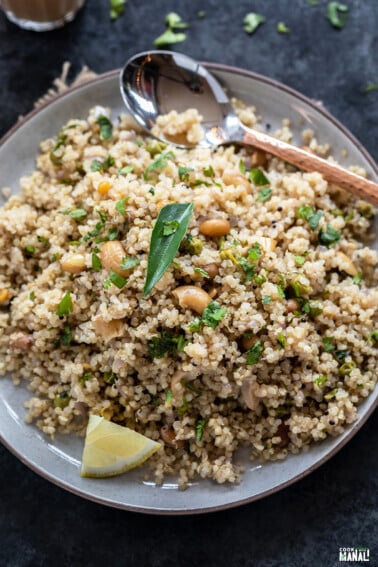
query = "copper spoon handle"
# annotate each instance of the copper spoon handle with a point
(364, 188)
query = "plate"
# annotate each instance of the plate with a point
(59, 461)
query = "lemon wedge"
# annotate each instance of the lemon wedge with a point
(112, 449)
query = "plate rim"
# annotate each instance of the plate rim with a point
(353, 429)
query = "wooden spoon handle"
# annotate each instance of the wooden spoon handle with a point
(332, 172)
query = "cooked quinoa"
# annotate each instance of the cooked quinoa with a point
(274, 348)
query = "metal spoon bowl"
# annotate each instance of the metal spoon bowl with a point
(154, 83)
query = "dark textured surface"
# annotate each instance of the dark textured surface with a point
(304, 525)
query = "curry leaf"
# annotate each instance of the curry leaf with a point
(164, 248)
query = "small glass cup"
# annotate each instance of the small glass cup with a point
(40, 15)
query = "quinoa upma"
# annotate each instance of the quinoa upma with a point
(261, 332)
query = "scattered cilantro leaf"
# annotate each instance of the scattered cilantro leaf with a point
(358, 278)
(125, 170)
(254, 353)
(264, 194)
(116, 8)
(166, 344)
(120, 206)
(159, 163)
(65, 306)
(328, 344)
(169, 37)
(337, 14)
(266, 299)
(129, 262)
(32, 296)
(106, 127)
(201, 271)
(252, 21)
(200, 425)
(282, 28)
(209, 171)
(104, 165)
(184, 172)
(373, 337)
(329, 236)
(321, 381)
(258, 177)
(115, 279)
(307, 213)
(213, 314)
(174, 21)
(255, 252)
(96, 262)
(280, 291)
(76, 214)
(370, 87)
(299, 259)
(201, 14)
(281, 340)
(242, 168)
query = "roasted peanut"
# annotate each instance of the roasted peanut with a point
(73, 264)
(192, 297)
(248, 341)
(215, 227)
(111, 256)
(108, 329)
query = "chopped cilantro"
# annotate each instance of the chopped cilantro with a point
(184, 172)
(168, 398)
(199, 182)
(104, 165)
(254, 353)
(255, 252)
(266, 299)
(300, 259)
(76, 214)
(173, 22)
(66, 336)
(258, 177)
(337, 14)
(358, 278)
(252, 21)
(373, 337)
(370, 87)
(116, 8)
(280, 291)
(242, 168)
(201, 14)
(183, 408)
(65, 307)
(281, 340)
(196, 325)
(113, 233)
(282, 28)
(200, 425)
(329, 236)
(29, 250)
(341, 354)
(248, 268)
(321, 381)
(129, 262)
(170, 227)
(125, 170)
(166, 344)
(32, 296)
(43, 240)
(159, 163)
(306, 212)
(328, 344)
(264, 194)
(209, 171)
(106, 127)
(96, 262)
(86, 376)
(331, 395)
(151, 190)
(213, 314)
(120, 207)
(115, 279)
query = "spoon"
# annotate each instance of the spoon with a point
(155, 82)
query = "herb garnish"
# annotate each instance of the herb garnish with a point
(300, 259)
(264, 194)
(254, 353)
(258, 177)
(104, 165)
(242, 168)
(32, 296)
(282, 28)
(252, 21)
(115, 279)
(211, 317)
(328, 344)
(106, 127)
(358, 278)
(120, 206)
(321, 381)
(373, 337)
(329, 236)
(337, 14)
(170, 36)
(308, 213)
(209, 171)
(125, 170)
(201, 271)
(266, 299)
(116, 8)
(163, 248)
(159, 163)
(167, 343)
(184, 172)
(370, 87)
(76, 214)
(129, 262)
(281, 340)
(96, 262)
(200, 425)
(65, 307)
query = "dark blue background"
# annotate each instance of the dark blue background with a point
(336, 506)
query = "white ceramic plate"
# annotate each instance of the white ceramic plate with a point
(59, 462)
